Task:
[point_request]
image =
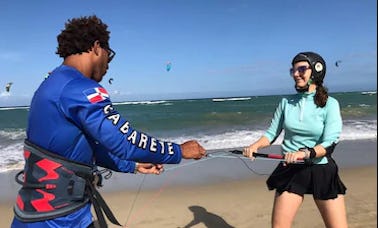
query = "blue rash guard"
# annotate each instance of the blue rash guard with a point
(305, 124)
(72, 115)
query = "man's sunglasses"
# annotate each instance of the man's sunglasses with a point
(110, 51)
(111, 54)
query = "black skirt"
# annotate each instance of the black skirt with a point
(320, 180)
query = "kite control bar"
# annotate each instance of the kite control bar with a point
(261, 155)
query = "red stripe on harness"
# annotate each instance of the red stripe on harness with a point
(26, 154)
(49, 167)
(43, 204)
(20, 203)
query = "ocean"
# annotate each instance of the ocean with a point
(217, 123)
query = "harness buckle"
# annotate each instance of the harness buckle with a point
(97, 179)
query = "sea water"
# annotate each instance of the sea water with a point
(217, 123)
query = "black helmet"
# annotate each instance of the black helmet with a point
(317, 64)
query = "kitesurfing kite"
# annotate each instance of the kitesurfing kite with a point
(169, 66)
(337, 63)
(8, 86)
(110, 80)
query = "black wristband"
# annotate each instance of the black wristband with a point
(312, 153)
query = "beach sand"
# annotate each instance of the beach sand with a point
(230, 202)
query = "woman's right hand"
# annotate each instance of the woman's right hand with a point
(248, 151)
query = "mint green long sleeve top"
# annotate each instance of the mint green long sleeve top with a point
(306, 125)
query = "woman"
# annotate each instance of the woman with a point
(312, 124)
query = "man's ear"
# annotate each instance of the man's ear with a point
(96, 47)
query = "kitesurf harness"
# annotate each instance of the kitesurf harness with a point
(54, 186)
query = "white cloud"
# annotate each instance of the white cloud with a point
(5, 94)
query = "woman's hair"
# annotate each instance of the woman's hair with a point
(321, 95)
(80, 34)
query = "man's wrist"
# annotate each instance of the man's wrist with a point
(136, 167)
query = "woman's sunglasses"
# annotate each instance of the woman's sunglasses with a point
(301, 70)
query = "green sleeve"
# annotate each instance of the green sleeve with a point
(276, 125)
(332, 124)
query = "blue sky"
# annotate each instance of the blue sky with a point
(217, 48)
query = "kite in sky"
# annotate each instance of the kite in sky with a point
(169, 66)
(337, 63)
(8, 86)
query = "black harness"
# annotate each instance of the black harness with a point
(54, 186)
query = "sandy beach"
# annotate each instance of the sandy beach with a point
(230, 202)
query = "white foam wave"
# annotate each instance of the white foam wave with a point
(225, 140)
(369, 93)
(355, 130)
(13, 108)
(231, 99)
(13, 135)
(352, 130)
(11, 155)
(139, 102)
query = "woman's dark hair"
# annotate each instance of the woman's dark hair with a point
(321, 95)
(80, 34)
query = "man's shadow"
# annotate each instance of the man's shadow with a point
(210, 220)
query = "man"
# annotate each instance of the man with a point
(73, 128)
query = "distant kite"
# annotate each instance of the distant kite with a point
(110, 81)
(8, 86)
(337, 63)
(169, 66)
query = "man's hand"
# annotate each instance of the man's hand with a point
(148, 168)
(192, 150)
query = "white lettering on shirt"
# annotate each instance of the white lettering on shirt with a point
(153, 145)
(143, 141)
(170, 148)
(132, 137)
(108, 108)
(124, 128)
(115, 118)
(162, 147)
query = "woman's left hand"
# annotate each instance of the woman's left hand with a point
(293, 157)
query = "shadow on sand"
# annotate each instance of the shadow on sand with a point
(210, 220)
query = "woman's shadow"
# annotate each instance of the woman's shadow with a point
(210, 220)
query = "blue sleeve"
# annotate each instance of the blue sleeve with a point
(90, 108)
(332, 124)
(110, 161)
(275, 128)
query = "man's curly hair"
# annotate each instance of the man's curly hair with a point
(80, 35)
